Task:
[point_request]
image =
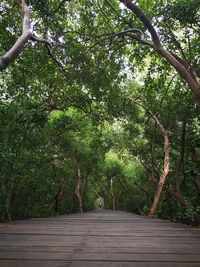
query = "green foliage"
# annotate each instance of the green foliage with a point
(92, 115)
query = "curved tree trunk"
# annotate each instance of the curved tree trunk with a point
(81, 185)
(160, 184)
(181, 65)
(78, 188)
(166, 163)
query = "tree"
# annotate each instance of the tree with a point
(181, 65)
(84, 114)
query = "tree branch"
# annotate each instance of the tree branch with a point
(21, 41)
(166, 161)
(170, 57)
(39, 40)
(134, 33)
(147, 23)
(26, 35)
(59, 64)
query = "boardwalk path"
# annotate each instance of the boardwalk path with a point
(99, 238)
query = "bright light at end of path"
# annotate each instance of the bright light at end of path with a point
(122, 6)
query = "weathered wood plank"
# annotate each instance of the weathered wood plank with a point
(15, 263)
(103, 238)
(110, 257)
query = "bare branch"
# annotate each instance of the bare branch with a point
(59, 64)
(39, 40)
(134, 33)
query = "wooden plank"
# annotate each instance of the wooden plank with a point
(99, 238)
(101, 249)
(109, 257)
(37, 263)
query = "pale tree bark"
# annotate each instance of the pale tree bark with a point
(181, 65)
(109, 191)
(78, 188)
(166, 163)
(81, 185)
(154, 179)
(112, 194)
(26, 35)
(21, 41)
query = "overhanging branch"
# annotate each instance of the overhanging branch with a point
(21, 41)
(26, 35)
(147, 23)
(187, 74)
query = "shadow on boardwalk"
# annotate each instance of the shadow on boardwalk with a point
(98, 238)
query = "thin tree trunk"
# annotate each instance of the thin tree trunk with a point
(154, 180)
(197, 183)
(196, 177)
(112, 194)
(109, 192)
(129, 193)
(58, 196)
(101, 200)
(179, 194)
(166, 163)
(143, 190)
(78, 188)
(179, 167)
(9, 199)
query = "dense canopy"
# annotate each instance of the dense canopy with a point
(100, 107)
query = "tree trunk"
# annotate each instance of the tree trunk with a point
(179, 167)
(78, 188)
(196, 177)
(179, 194)
(57, 196)
(197, 183)
(154, 180)
(181, 65)
(143, 190)
(112, 194)
(9, 199)
(166, 163)
(129, 193)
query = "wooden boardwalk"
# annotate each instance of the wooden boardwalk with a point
(99, 238)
